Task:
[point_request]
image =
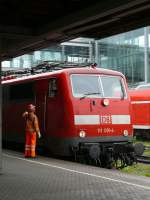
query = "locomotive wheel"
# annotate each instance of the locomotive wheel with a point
(107, 161)
(94, 152)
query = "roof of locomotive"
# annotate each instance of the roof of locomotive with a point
(139, 95)
(75, 70)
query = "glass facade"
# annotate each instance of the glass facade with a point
(128, 53)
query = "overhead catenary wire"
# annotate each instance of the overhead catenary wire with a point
(46, 66)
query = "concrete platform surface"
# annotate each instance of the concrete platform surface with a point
(47, 178)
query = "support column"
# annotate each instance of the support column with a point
(90, 52)
(0, 122)
(146, 58)
(97, 53)
(42, 56)
(63, 59)
(21, 61)
(31, 60)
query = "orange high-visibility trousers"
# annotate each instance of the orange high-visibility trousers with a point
(30, 144)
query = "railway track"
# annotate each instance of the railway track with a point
(143, 159)
(147, 147)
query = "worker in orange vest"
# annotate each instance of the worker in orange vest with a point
(31, 130)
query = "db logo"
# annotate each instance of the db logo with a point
(105, 119)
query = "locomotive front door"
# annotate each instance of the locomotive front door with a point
(41, 103)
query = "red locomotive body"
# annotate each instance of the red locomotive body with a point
(82, 111)
(140, 101)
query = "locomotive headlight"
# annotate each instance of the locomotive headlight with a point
(106, 102)
(125, 133)
(82, 134)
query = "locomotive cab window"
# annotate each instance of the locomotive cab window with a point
(52, 90)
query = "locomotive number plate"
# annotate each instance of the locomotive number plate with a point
(105, 130)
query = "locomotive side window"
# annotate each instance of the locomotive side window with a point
(112, 87)
(21, 92)
(52, 90)
(86, 85)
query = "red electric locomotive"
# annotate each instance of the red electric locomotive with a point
(140, 101)
(83, 112)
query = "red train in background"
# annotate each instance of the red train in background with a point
(140, 102)
(83, 112)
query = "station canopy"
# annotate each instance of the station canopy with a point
(28, 25)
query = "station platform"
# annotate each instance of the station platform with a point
(46, 178)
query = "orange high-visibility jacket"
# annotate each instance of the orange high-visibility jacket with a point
(32, 124)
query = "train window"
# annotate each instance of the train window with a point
(112, 87)
(86, 85)
(52, 91)
(21, 92)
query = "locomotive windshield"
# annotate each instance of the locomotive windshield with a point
(97, 86)
(86, 85)
(112, 87)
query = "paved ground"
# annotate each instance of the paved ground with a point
(52, 179)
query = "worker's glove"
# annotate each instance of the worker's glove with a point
(39, 135)
(25, 114)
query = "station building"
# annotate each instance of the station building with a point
(128, 53)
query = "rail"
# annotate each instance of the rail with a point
(143, 159)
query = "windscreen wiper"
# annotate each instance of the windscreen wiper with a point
(88, 94)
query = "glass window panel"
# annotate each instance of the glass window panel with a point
(112, 87)
(86, 85)
(52, 92)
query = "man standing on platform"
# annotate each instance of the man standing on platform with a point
(31, 131)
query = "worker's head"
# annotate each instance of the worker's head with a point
(31, 108)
